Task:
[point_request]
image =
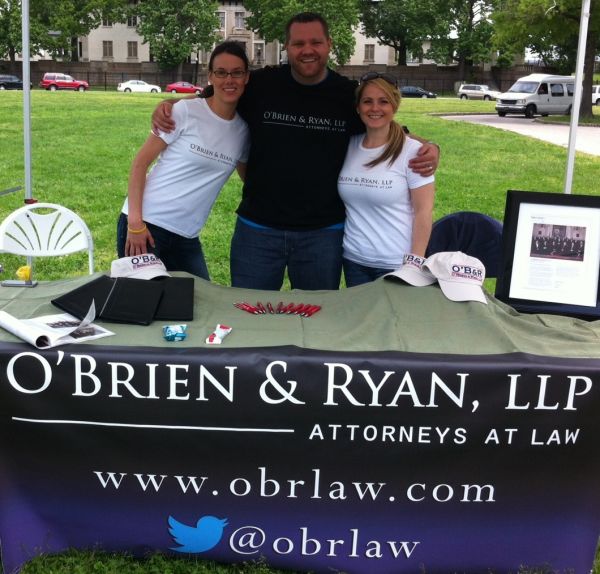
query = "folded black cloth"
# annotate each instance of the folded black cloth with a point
(177, 302)
(137, 301)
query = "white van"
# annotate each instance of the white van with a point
(538, 94)
(596, 95)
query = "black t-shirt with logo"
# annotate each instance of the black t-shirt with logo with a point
(299, 136)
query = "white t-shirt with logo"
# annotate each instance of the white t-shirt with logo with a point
(379, 213)
(185, 181)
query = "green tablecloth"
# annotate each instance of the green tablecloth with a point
(380, 316)
(390, 391)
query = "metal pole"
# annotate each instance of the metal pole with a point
(26, 98)
(27, 113)
(583, 27)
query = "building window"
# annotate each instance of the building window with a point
(107, 49)
(107, 23)
(132, 50)
(240, 20)
(132, 19)
(369, 52)
(221, 16)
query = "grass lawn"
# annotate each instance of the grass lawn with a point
(75, 562)
(83, 145)
(593, 121)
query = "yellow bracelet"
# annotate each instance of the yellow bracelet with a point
(137, 231)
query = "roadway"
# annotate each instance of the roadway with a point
(587, 140)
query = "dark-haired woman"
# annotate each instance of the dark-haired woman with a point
(388, 206)
(167, 207)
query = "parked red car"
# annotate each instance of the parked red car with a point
(183, 88)
(54, 82)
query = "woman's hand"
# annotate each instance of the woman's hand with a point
(137, 243)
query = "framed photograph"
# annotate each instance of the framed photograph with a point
(551, 254)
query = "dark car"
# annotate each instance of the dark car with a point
(416, 92)
(8, 82)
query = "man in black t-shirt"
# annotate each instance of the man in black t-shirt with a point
(300, 117)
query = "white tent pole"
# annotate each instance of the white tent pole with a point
(26, 97)
(583, 27)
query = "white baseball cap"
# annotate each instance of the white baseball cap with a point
(460, 276)
(412, 271)
(146, 266)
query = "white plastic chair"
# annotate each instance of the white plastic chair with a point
(55, 231)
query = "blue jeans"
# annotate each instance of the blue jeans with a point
(176, 252)
(357, 274)
(259, 257)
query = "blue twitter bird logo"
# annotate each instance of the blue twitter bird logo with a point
(205, 535)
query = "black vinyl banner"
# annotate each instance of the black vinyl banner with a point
(382, 462)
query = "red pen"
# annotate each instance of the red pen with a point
(247, 307)
(307, 309)
(300, 309)
(314, 309)
(288, 308)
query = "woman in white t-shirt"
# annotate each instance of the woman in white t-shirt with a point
(167, 207)
(389, 207)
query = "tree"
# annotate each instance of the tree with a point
(551, 31)
(176, 28)
(467, 33)
(269, 17)
(401, 24)
(71, 18)
(10, 30)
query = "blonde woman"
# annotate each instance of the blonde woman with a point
(388, 206)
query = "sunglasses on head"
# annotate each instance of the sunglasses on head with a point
(375, 75)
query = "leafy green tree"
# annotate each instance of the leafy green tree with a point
(71, 18)
(74, 18)
(10, 30)
(551, 30)
(467, 33)
(176, 28)
(269, 17)
(402, 24)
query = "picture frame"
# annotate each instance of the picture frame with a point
(551, 254)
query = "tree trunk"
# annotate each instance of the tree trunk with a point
(462, 69)
(74, 49)
(402, 54)
(196, 68)
(585, 111)
(12, 56)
